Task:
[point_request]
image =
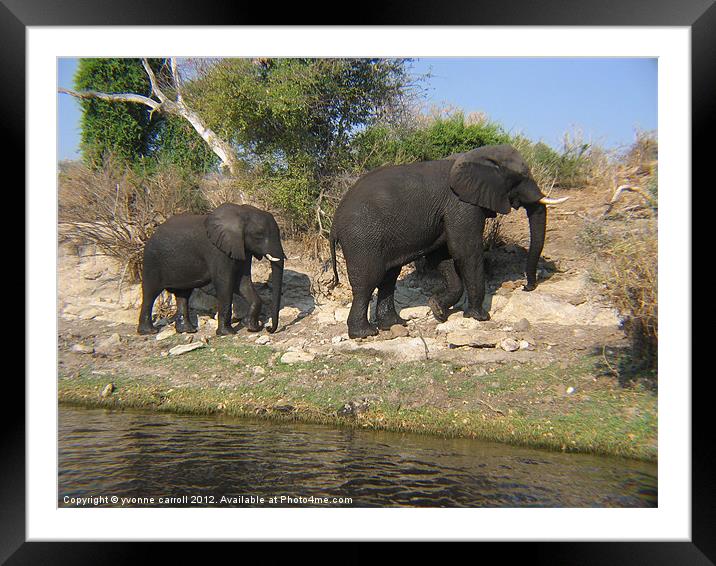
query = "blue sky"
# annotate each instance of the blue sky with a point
(606, 100)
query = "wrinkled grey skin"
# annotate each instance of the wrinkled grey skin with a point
(436, 209)
(192, 250)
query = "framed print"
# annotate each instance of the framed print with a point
(287, 299)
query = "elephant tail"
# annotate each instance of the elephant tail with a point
(332, 239)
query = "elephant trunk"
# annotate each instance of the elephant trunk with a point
(537, 214)
(276, 284)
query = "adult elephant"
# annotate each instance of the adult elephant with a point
(437, 209)
(191, 250)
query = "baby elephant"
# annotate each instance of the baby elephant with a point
(192, 250)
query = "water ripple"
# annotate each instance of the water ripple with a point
(135, 454)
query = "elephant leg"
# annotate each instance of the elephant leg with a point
(469, 262)
(363, 281)
(473, 269)
(224, 282)
(182, 322)
(358, 325)
(452, 293)
(149, 295)
(385, 313)
(440, 303)
(248, 292)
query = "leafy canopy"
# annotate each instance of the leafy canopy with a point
(129, 131)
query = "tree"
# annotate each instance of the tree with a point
(291, 120)
(125, 129)
(298, 110)
(295, 119)
(156, 100)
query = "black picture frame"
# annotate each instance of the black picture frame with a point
(699, 15)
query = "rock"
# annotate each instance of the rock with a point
(108, 345)
(108, 390)
(284, 408)
(459, 338)
(456, 321)
(522, 325)
(184, 348)
(570, 390)
(258, 370)
(398, 331)
(296, 357)
(337, 339)
(509, 345)
(82, 349)
(474, 338)
(578, 300)
(544, 307)
(89, 313)
(263, 340)
(411, 313)
(289, 314)
(525, 345)
(341, 314)
(166, 332)
(208, 323)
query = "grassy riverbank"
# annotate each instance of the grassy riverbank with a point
(571, 406)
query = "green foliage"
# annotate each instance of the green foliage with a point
(295, 119)
(441, 137)
(178, 143)
(123, 129)
(567, 169)
(128, 131)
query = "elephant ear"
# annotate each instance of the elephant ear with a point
(225, 228)
(480, 182)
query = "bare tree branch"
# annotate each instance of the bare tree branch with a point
(175, 76)
(178, 107)
(114, 97)
(153, 81)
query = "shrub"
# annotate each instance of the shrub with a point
(428, 138)
(569, 169)
(626, 264)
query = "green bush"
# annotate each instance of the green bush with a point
(570, 168)
(439, 138)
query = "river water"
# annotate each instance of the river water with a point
(160, 460)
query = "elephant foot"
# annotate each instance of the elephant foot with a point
(144, 330)
(362, 332)
(386, 322)
(529, 287)
(252, 325)
(438, 311)
(183, 326)
(477, 314)
(225, 330)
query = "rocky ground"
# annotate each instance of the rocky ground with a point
(528, 361)
(566, 316)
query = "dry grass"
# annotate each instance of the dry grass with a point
(626, 264)
(118, 208)
(630, 275)
(623, 240)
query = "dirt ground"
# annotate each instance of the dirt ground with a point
(566, 316)
(540, 372)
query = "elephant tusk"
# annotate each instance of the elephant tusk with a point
(549, 200)
(271, 258)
